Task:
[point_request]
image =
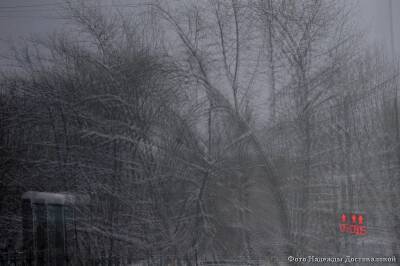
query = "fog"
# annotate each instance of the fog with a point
(213, 132)
(22, 18)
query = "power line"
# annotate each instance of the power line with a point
(33, 17)
(29, 11)
(30, 6)
(113, 5)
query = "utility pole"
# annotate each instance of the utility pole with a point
(396, 109)
(395, 94)
(396, 113)
(391, 28)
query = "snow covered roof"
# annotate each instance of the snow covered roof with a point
(52, 198)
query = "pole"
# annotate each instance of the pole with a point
(391, 28)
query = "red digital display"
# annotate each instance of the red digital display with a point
(353, 224)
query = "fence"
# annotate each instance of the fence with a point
(25, 259)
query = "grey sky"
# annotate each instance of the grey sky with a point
(20, 18)
(23, 17)
(374, 17)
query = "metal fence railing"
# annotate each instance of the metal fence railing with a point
(17, 258)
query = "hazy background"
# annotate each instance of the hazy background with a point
(21, 18)
(333, 149)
